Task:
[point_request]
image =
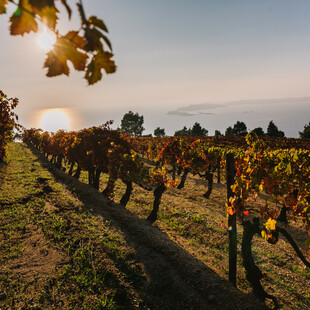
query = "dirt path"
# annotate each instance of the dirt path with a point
(175, 278)
(63, 245)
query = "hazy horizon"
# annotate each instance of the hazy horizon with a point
(179, 62)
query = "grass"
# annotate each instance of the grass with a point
(195, 224)
(94, 269)
(58, 252)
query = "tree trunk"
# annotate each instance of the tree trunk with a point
(59, 161)
(109, 190)
(230, 169)
(209, 177)
(71, 168)
(91, 172)
(283, 214)
(253, 273)
(96, 180)
(157, 196)
(183, 178)
(219, 171)
(77, 172)
(179, 170)
(126, 196)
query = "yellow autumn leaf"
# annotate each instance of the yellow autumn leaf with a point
(270, 224)
(49, 16)
(3, 3)
(23, 21)
(66, 48)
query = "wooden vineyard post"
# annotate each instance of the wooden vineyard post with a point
(232, 226)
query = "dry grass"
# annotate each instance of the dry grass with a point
(63, 245)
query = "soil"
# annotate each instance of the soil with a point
(179, 274)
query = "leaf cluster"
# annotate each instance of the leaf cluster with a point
(88, 48)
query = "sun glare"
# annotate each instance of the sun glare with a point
(46, 39)
(55, 119)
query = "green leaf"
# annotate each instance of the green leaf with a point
(66, 48)
(23, 21)
(3, 3)
(102, 60)
(93, 20)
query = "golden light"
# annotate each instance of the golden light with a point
(54, 119)
(46, 39)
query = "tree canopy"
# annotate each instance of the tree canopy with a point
(195, 131)
(159, 132)
(273, 131)
(132, 124)
(217, 133)
(87, 48)
(239, 129)
(259, 131)
(306, 132)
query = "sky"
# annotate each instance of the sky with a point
(179, 62)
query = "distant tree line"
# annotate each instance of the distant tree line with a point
(132, 124)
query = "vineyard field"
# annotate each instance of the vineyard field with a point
(89, 250)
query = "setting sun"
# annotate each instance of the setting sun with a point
(46, 39)
(55, 119)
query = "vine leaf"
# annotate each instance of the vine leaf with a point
(102, 60)
(46, 10)
(66, 48)
(3, 3)
(41, 4)
(93, 20)
(23, 21)
(49, 16)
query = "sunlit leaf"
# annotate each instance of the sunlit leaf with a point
(66, 48)
(23, 21)
(46, 10)
(3, 4)
(102, 60)
(270, 224)
(49, 16)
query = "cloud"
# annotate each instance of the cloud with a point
(270, 101)
(201, 106)
(180, 113)
(205, 113)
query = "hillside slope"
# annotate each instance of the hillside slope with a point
(63, 245)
